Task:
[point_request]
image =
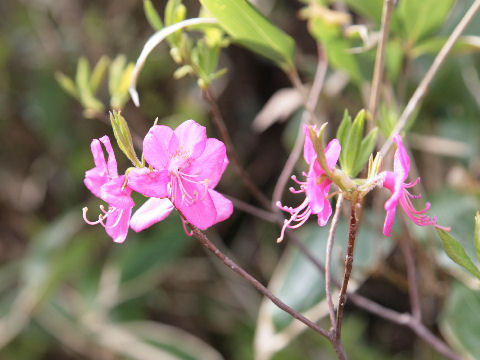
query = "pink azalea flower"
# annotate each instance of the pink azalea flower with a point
(316, 188)
(186, 168)
(103, 181)
(395, 182)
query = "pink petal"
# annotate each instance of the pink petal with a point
(401, 162)
(155, 146)
(94, 179)
(117, 224)
(192, 137)
(201, 213)
(397, 190)
(309, 153)
(111, 162)
(151, 212)
(98, 156)
(389, 220)
(223, 206)
(211, 164)
(114, 195)
(332, 152)
(325, 214)
(149, 183)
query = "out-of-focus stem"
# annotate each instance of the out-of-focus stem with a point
(200, 236)
(422, 88)
(232, 154)
(378, 68)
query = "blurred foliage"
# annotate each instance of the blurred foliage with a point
(67, 292)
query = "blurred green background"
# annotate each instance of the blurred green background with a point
(68, 292)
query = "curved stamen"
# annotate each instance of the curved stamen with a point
(101, 217)
(118, 219)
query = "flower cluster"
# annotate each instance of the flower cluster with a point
(184, 168)
(316, 189)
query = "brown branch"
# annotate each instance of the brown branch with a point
(200, 236)
(232, 154)
(352, 235)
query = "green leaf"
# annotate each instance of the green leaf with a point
(248, 27)
(82, 80)
(67, 84)
(152, 15)
(457, 253)
(477, 235)
(421, 18)
(98, 73)
(337, 46)
(353, 142)
(123, 137)
(371, 9)
(342, 135)
(366, 149)
(460, 320)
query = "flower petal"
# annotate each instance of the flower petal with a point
(114, 195)
(192, 137)
(117, 224)
(151, 212)
(149, 183)
(325, 214)
(223, 206)
(401, 162)
(94, 179)
(156, 145)
(332, 152)
(111, 162)
(211, 164)
(309, 153)
(202, 212)
(389, 220)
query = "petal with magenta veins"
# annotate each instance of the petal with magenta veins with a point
(151, 212)
(114, 195)
(192, 137)
(223, 206)
(211, 164)
(156, 146)
(149, 183)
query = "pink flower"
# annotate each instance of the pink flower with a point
(186, 168)
(395, 182)
(316, 188)
(103, 181)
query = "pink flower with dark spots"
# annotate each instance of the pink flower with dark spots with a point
(395, 182)
(185, 167)
(316, 187)
(103, 181)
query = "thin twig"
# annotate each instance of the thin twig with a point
(422, 88)
(378, 68)
(232, 154)
(352, 235)
(200, 236)
(310, 106)
(388, 314)
(328, 257)
(254, 211)
(411, 272)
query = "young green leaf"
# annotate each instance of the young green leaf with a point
(366, 147)
(342, 135)
(353, 142)
(477, 235)
(249, 28)
(457, 253)
(67, 84)
(152, 15)
(98, 73)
